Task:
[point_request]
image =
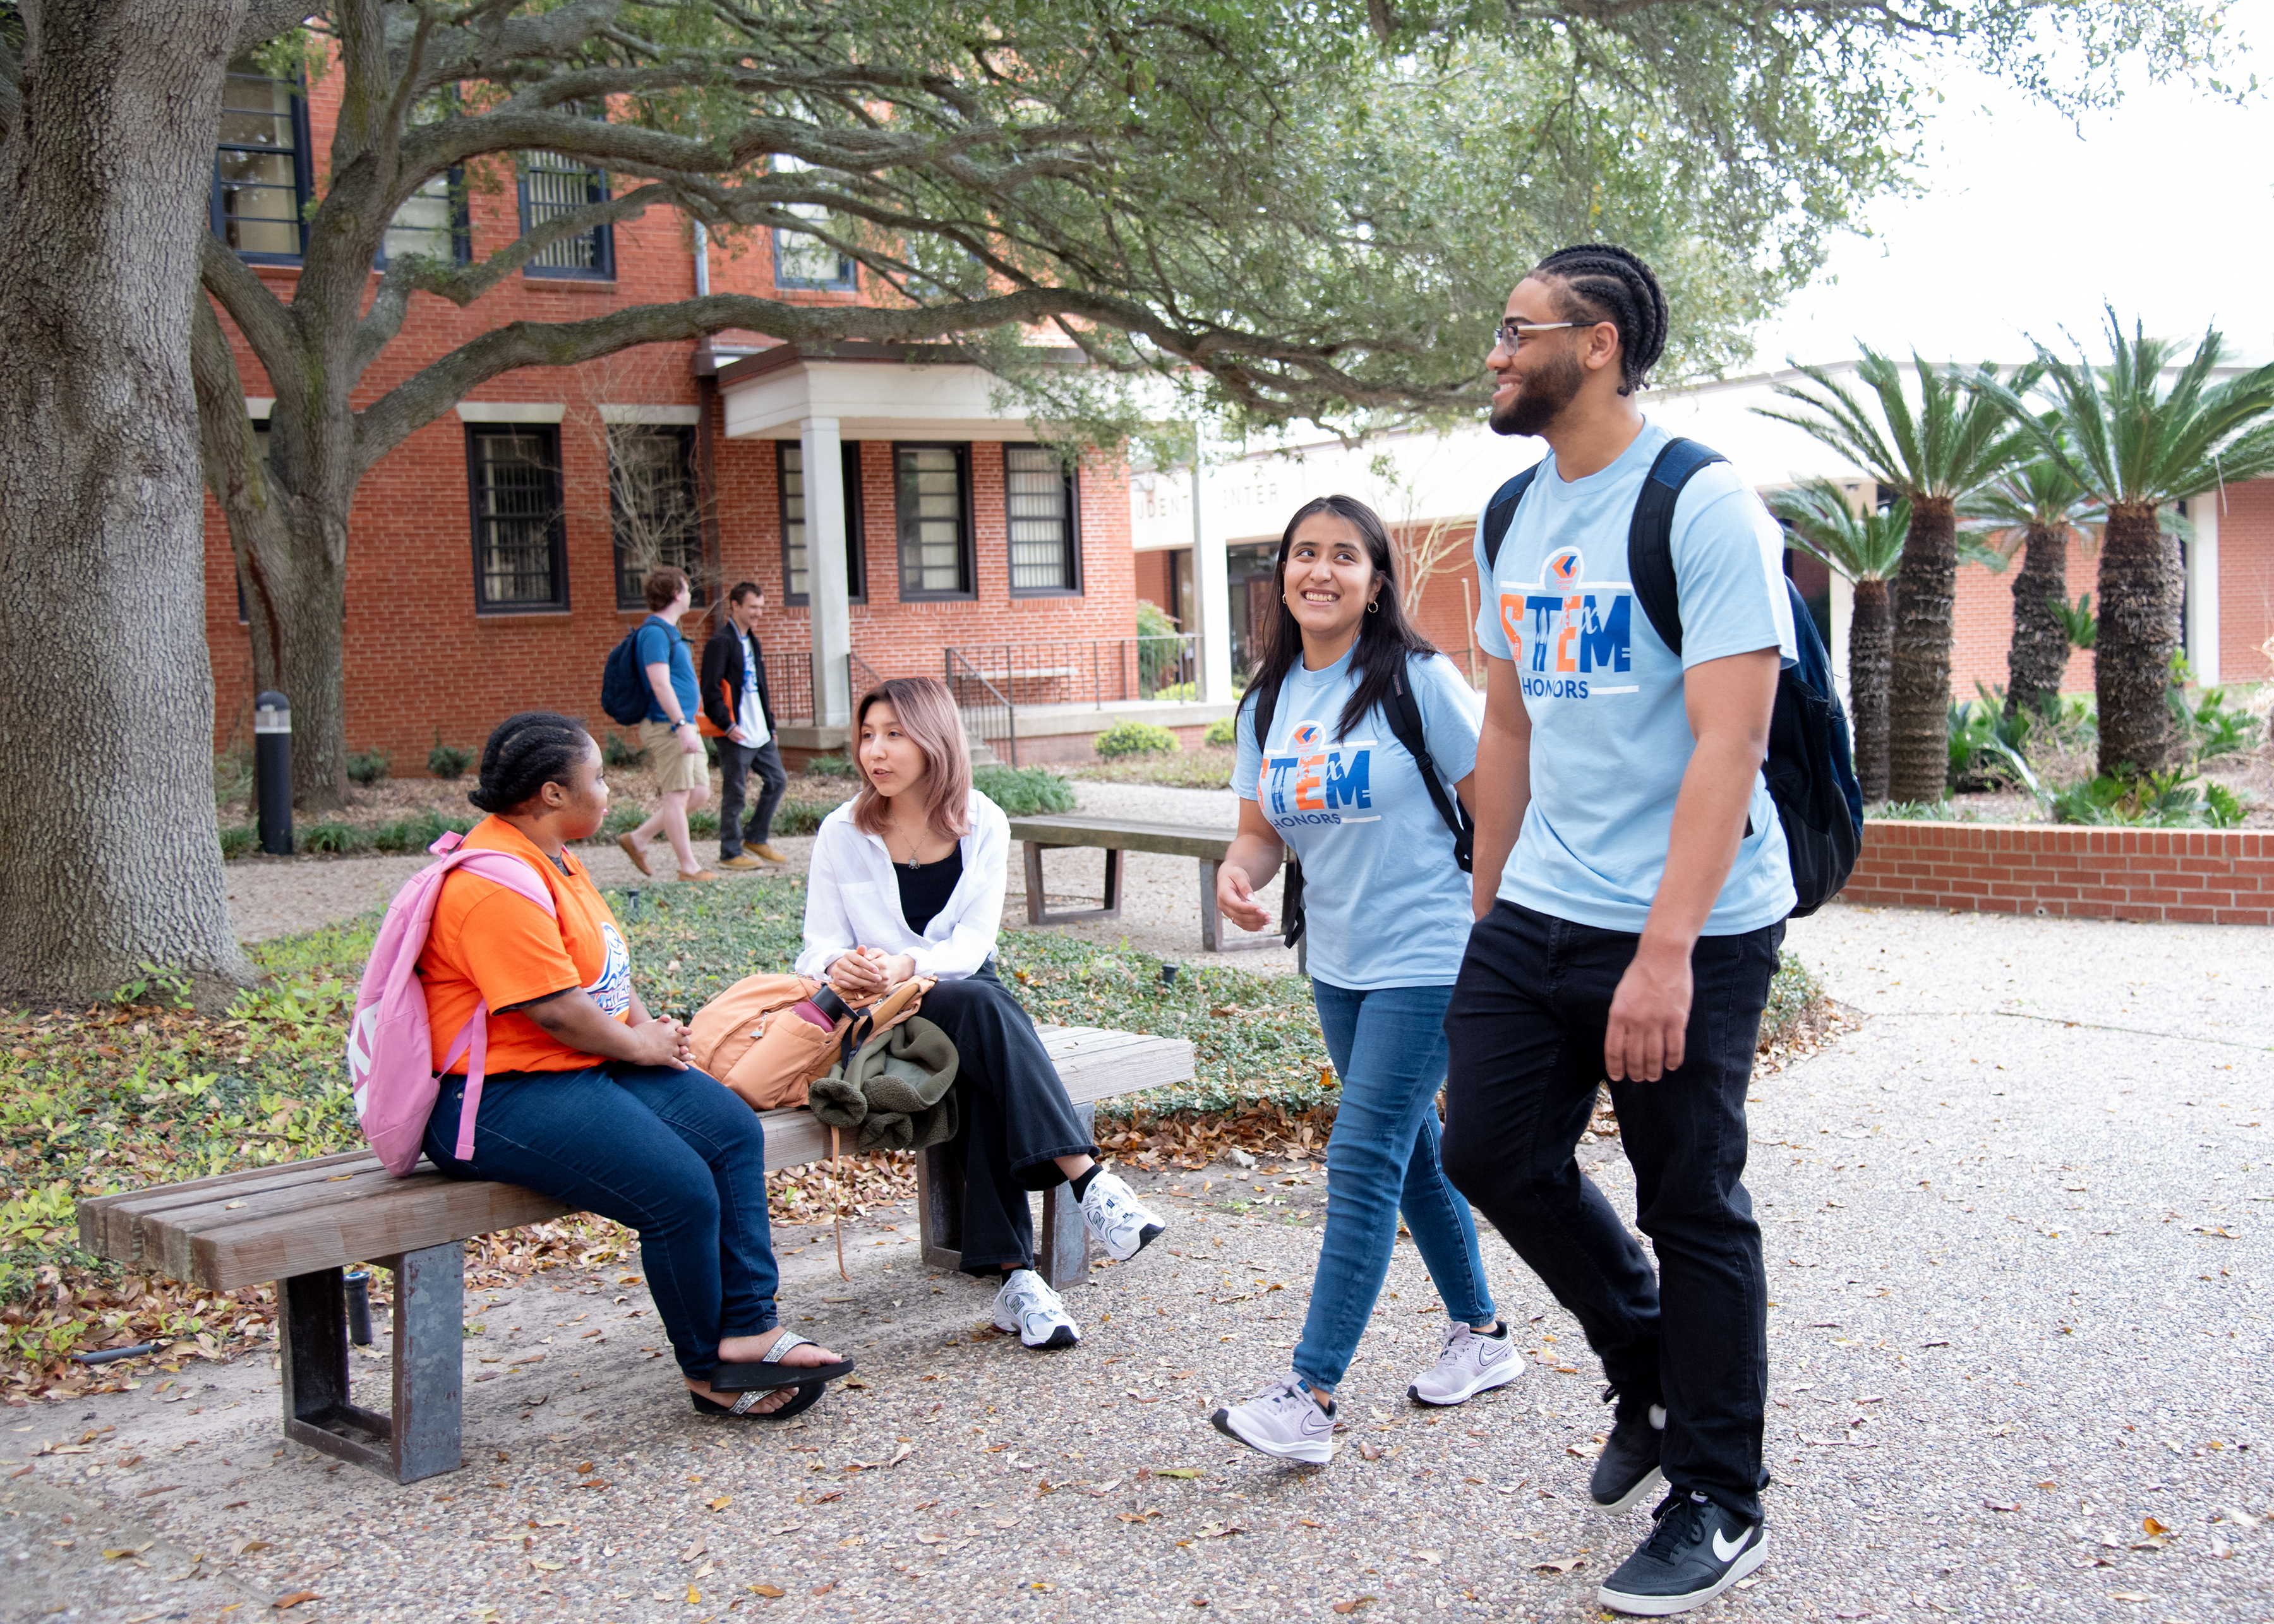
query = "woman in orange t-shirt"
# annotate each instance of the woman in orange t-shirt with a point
(588, 1098)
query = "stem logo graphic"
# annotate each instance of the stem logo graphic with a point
(1308, 782)
(1566, 633)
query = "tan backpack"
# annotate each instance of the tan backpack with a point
(763, 1036)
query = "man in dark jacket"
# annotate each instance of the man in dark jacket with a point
(739, 716)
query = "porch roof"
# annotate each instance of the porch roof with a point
(873, 391)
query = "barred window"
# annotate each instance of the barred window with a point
(790, 465)
(433, 220)
(550, 186)
(932, 491)
(521, 562)
(801, 260)
(653, 507)
(260, 165)
(1039, 506)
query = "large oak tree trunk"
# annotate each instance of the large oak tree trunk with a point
(106, 693)
(1919, 679)
(2132, 657)
(2038, 655)
(1867, 686)
(292, 562)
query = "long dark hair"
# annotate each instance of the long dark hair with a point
(1386, 639)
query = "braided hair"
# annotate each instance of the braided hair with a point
(524, 753)
(1609, 283)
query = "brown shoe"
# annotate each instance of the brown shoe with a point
(634, 850)
(740, 860)
(768, 853)
(699, 873)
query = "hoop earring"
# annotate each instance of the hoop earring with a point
(1374, 605)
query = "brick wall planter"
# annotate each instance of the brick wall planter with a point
(2223, 876)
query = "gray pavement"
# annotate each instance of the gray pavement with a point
(2015, 1223)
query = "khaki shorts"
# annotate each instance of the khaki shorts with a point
(669, 760)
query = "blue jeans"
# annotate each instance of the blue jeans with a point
(673, 1154)
(1390, 1047)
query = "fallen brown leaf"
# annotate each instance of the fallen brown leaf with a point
(1354, 1604)
(293, 1600)
(1560, 1564)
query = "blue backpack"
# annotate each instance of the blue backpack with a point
(1811, 765)
(624, 692)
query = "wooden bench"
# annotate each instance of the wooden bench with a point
(302, 1223)
(1116, 836)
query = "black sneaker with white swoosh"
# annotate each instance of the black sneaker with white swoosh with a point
(1696, 1551)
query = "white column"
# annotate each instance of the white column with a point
(828, 592)
(1211, 586)
(2202, 587)
(1843, 618)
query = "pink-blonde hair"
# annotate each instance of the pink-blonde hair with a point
(927, 714)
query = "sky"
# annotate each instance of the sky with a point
(2028, 223)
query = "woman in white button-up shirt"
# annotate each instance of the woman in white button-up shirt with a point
(907, 880)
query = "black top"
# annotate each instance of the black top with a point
(926, 887)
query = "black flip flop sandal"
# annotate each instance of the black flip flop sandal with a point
(770, 1372)
(808, 1394)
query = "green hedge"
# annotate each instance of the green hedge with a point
(1135, 739)
(1022, 792)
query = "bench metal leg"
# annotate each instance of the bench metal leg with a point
(1062, 1248)
(1215, 937)
(422, 1437)
(430, 1360)
(939, 1209)
(1037, 914)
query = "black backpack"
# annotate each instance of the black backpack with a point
(1405, 717)
(1810, 768)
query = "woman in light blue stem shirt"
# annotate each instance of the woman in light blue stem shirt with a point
(1344, 689)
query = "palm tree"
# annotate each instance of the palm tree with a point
(2135, 446)
(2037, 508)
(1867, 550)
(1934, 457)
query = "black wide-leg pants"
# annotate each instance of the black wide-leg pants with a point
(1016, 1118)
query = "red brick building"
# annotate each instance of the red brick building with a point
(490, 566)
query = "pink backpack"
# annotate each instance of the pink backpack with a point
(390, 1046)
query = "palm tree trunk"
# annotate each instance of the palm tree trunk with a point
(2038, 657)
(1867, 686)
(2132, 658)
(1918, 675)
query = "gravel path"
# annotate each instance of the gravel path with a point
(1160, 901)
(2014, 1243)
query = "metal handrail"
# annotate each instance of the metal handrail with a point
(1093, 671)
(980, 701)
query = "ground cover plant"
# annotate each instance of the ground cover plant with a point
(1207, 766)
(148, 1091)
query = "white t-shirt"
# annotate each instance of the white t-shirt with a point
(750, 715)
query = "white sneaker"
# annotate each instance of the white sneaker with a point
(1470, 1363)
(1111, 1211)
(1028, 1305)
(1283, 1421)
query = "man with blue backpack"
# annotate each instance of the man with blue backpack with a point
(1633, 868)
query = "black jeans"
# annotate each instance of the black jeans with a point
(1525, 1029)
(735, 764)
(1015, 1118)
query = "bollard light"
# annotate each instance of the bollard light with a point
(272, 770)
(358, 1290)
